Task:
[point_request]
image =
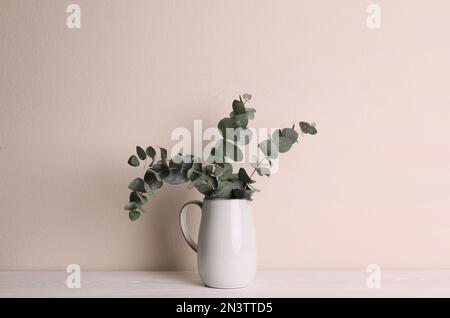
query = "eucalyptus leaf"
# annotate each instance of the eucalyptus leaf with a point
(175, 177)
(208, 169)
(239, 194)
(141, 153)
(211, 180)
(134, 215)
(203, 186)
(163, 152)
(225, 171)
(150, 176)
(133, 161)
(142, 198)
(248, 193)
(227, 125)
(194, 172)
(151, 152)
(238, 107)
(276, 134)
(149, 189)
(131, 206)
(247, 96)
(238, 184)
(176, 162)
(224, 191)
(137, 185)
(141, 209)
(161, 169)
(241, 120)
(284, 144)
(244, 177)
(306, 128)
(291, 134)
(153, 180)
(263, 171)
(134, 197)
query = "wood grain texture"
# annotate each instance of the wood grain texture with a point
(188, 284)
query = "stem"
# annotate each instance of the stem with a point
(253, 173)
(254, 170)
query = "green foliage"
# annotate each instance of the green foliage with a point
(134, 215)
(215, 179)
(226, 127)
(136, 185)
(307, 128)
(133, 161)
(238, 107)
(151, 152)
(141, 153)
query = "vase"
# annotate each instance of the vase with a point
(226, 249)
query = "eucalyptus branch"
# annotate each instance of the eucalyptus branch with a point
(214, 180)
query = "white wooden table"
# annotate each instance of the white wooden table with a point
(188, 284)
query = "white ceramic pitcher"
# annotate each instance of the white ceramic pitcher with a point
(226, 250)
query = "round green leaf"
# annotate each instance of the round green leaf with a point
(153, 179)
(227, 123)
(151, 152)
(134, 197)
(241, 120)
(291, 134)
(284, 144)
(138, 197)
(175, 177)
(133, 161)
(137, 185)
(203, 186)
(134, 215)
(306, 128)
(238, 107)
(141, 153)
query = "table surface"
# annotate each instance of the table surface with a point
(188, 284)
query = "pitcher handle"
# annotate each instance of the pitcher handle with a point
(183, 223)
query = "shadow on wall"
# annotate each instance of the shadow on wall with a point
(168, 249)
(101, 236)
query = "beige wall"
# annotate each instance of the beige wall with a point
(371, 187)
